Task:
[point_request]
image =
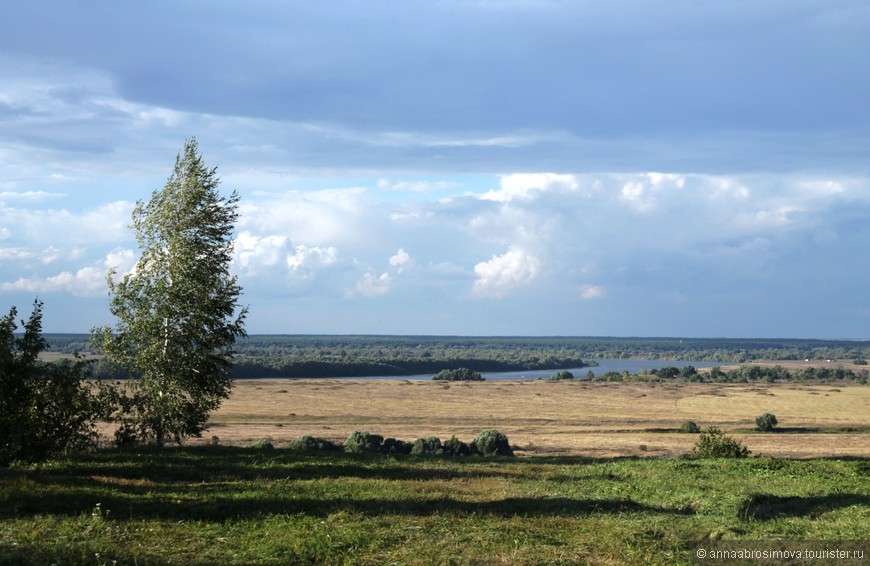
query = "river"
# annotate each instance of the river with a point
(632, 366)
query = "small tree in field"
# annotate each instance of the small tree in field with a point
(766, 422)
(178, 315)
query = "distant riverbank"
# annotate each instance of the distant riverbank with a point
(604, 366)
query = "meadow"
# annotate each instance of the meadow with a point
(554, 418)
(229, 505)
(600, 479)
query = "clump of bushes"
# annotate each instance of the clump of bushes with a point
(690, 427)
(487, 443)
(364, 442)
(459, 374)
(455, 447)
(262, 445)
(492, 443)
(713, 443)
(765, 422)
(561, 375)
(393, 446)
(430, 446)
(308, 442)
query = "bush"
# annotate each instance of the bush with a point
(765, 422)
(564, 374)
(363, 442)
(492, 443)
(308, 442)
(45, 408)
(460, 374)
(393, 446)
(427, 446)
(690, 427)
(455, 447)
(262, 445)
(714, 444)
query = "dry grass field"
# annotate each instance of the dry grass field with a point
(547, 418)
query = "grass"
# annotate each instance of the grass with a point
(230, 505)
(549, 418)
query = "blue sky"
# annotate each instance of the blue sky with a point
(477, 167)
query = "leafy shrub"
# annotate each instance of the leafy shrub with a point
(393, 446)
(363, 442)
(262, 445)
(713, 443)
(455, 447)
(765, 422)
(690, 427)
(459, 374)
(492, 443)
(559, 376)
(308, 442)
(430, 446)
(45, 408)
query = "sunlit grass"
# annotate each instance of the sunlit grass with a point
(223, 505)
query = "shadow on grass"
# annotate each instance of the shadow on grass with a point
(764, 507)
(208, 507)
(219, 483)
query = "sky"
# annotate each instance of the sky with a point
(458, 167)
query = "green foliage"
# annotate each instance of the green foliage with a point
(308, 442)
(561, 375)
(492, 443)
(455, 447)
(393, 446)
(859, 362)
(262, 445)
(45, 409)
(363, 442)
(765, 422)
(459, 374)
(713, 443)
(690, 427)
(177, 312)
(430, 446)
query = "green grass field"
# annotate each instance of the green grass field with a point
(231, 505)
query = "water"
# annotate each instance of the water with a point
(632, 366)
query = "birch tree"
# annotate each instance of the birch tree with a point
(177, 312)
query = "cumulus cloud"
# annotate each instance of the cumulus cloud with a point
(400, 260)
(308, 257)
(85, 282)
(371, 285)
(502, 274)
(255, 255)
(525, 185)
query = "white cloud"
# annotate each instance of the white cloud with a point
(252, 254)
(14, 254)
(316, 218)
(415, 186)
(308, 257)
(523, 186)
(400, 260)
(589, 292)
(255, 255)
(85, 282)
(372, 285)
(500, 275)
